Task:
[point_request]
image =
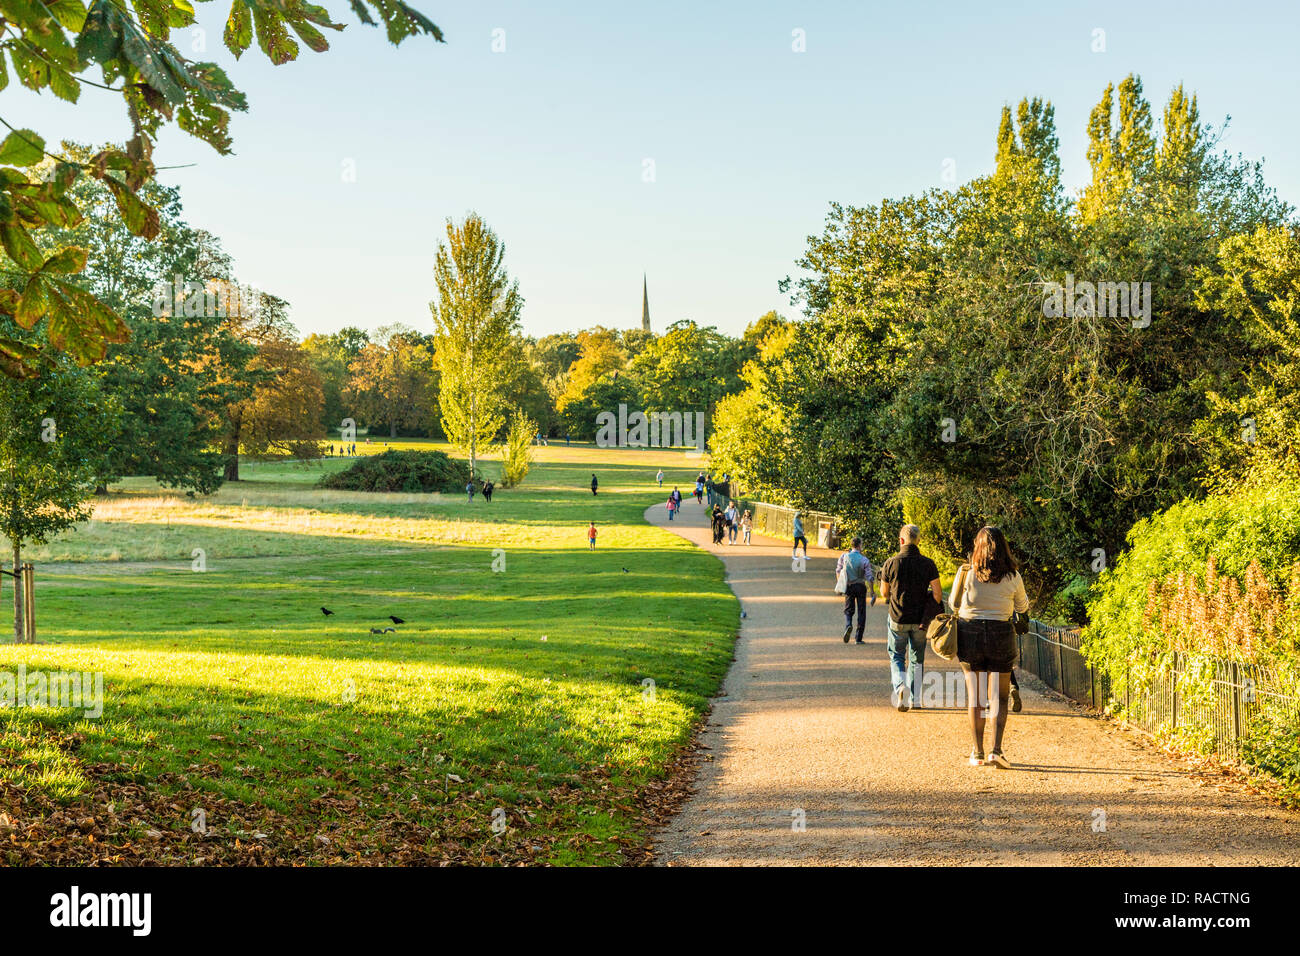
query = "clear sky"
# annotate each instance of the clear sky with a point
(750, 140)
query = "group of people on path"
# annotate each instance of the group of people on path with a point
(986, 599)
(730, 522)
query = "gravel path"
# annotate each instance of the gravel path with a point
(804, 730)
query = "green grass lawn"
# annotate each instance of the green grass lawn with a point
(306, 738)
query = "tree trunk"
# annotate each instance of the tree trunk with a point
(18, 594)
(473, 426)
(392, 428)
(231, 451)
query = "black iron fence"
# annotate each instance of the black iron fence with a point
(1218, 719)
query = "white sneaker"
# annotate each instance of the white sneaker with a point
(997, 759)
(976, 759)
(900, 699)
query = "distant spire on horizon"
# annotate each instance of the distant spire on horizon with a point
(645, 304)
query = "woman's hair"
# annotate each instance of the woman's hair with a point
(991, 559)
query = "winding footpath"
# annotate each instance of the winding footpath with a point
(804, 734)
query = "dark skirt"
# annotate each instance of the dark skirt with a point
(986, 645)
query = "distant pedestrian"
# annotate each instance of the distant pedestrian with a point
(747, 524)
(699, 490)
(660, 477)
(593, 485)
(733, 522)
(858, 577)
(469, 489)
(488, 488)
(672, 507)
(718, 523)
(677, 497)
(909, 581)
(591, 536)
(799, 535)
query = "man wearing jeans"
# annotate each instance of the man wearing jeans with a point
(858, 574)
(907, 581)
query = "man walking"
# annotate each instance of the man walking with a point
(594, 483)
(858, 575)
(908, 581)
(660, 477)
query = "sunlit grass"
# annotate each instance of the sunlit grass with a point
(233, 680)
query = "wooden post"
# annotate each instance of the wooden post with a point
(29, 601)
(1060, 662)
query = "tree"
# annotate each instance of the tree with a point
(163, 375)
(331, 355)
(59, 46)
(689, 368)
(931, 379)
(281, 413)
(476, 315)
(518, 455)
(393, 381)
(59, 427)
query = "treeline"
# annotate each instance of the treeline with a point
(1063, 366)
(214, 369)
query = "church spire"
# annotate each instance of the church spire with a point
(645, 305)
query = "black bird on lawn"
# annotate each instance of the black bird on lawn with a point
(396, 620)
(383, 630)
(326, 611)
(626, 571)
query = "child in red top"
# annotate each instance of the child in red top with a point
(591, 536)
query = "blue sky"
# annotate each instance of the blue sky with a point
(750, 140)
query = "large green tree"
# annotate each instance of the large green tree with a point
(934, 378)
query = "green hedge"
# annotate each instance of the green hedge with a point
(409, 471)
(1260, 524)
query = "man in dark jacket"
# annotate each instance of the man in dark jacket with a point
(908, 581)
(593, 485)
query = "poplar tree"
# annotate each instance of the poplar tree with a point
(475, 318)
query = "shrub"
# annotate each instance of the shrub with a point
(412, 472)
(1215, 579)
(1250, 538)
(1069, 605)
(517, 455)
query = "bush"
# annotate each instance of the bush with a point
(412, 472)
(1209, 543)
(1212, 579)
(1069, 605)
(517, 456)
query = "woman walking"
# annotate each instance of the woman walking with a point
(985, 595)
(672, 507)
(747, 524)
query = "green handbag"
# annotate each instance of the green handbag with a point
(942, 632)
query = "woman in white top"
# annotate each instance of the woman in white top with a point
(985, 595)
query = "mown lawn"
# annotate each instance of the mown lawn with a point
(516, 698)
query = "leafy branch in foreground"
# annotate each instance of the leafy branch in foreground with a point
(60, 45)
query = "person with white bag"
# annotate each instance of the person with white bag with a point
(853, 577)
